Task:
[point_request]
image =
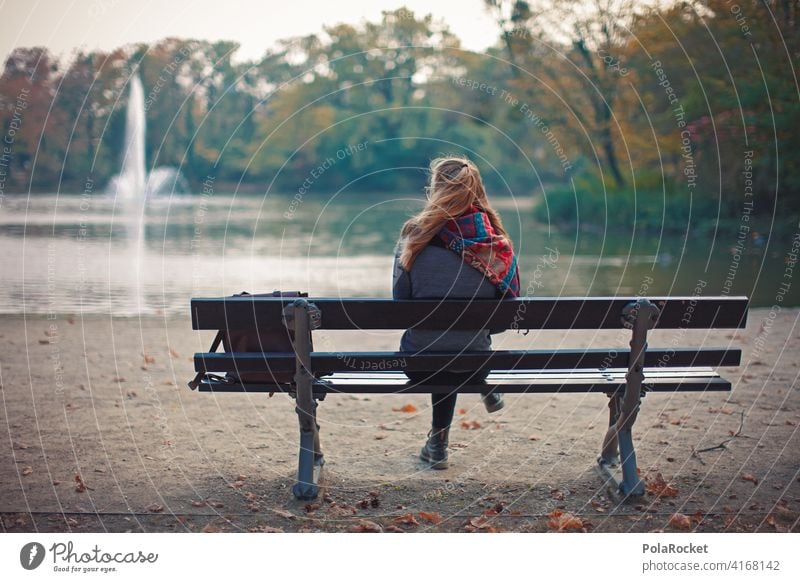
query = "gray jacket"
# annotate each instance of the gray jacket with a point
(439, 273)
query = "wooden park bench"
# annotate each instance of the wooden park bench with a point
(623, 375)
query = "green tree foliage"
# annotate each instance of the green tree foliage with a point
(569, 106)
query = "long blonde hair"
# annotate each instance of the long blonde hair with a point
(455, 185)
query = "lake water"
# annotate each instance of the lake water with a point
(74, 254)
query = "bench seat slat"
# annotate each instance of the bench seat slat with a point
(454, 361)
(393, 383)
(523, 313)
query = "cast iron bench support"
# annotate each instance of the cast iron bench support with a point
(310, 458)
(624, 408)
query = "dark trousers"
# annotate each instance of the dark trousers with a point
(444, 404)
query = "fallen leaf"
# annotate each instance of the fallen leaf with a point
(557, 494)
(750, 477)
(211, 528)
(430, 517)
(407, 519)
(254, 507)
(80, 484)
(173, 353)
(148, 359)
(534, 437)
(680, 521)
(365, 526)
(462, 411)
(198, 503)
(286, 514)
(597, 506)
(311, 507)
(659, 487)
(393, 529)
(27, 471)
(480, 523)
(155, 508)
(564, 521)
(266, 529)
(408, 408)
(380, 437)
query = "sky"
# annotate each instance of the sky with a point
(66, 25)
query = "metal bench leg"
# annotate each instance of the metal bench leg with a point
(610, 453)
(310, 459)
(641, 316)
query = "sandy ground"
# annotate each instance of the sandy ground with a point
(99, 432)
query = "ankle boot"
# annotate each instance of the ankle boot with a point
(493, 401)
(435, 449)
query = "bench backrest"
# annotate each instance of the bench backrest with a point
(237, 313)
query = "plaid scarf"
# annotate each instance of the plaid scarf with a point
(473, 238)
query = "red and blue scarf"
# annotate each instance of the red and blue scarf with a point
(473, 238)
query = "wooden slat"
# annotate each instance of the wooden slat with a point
(521, 313)
(463, 361)
(531, 383)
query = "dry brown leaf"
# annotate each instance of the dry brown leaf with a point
(148, 359)
(534, 437)
(173, 353)
(462, 411)
(480, 523)
(407, 519)
(430, 517)
(198, 503)
(407, 408)
(750, 477)
(365, 526)
(211, 528)
(266, 529)
(80, 484)
(155, 508)
(597, 506)
(286, 514)
(680, 521)
(659, 487)
(565, 521)
(27, 471)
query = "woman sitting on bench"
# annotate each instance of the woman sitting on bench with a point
(455, 248)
